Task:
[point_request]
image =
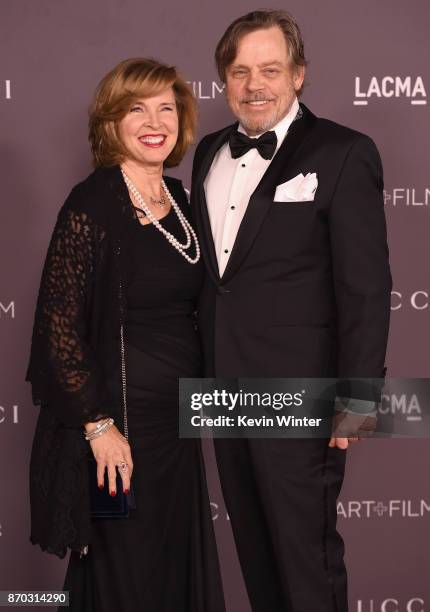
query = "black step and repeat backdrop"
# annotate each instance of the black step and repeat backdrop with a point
(369, 70)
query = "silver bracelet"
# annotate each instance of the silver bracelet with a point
(99, 430)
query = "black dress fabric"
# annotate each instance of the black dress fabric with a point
(163, 557)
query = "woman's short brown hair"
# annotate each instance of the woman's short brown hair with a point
(129, 81)
(226, 50)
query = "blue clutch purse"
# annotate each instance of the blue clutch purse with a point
(104, 505)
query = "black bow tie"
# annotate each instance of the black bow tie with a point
(241, 144)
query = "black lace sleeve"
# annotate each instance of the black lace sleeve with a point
(63, 369)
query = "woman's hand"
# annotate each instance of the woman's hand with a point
(110, 450)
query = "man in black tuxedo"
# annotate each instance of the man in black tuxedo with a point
(289, 211)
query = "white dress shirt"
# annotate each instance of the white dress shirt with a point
(229, 185)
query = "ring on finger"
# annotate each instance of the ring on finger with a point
(123, 466)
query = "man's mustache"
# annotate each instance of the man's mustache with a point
(257, 98)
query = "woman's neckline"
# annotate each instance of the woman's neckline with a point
(136, 218)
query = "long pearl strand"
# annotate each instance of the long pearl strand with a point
(189, 232)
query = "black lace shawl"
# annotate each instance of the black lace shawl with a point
(75, 345)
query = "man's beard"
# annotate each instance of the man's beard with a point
(258, 125)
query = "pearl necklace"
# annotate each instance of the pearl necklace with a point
(189, 232)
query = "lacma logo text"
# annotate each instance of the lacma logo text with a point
(394, 87)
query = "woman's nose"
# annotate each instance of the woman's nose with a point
(153, 121)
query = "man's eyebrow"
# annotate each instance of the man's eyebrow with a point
(272, 63)
(263, 65)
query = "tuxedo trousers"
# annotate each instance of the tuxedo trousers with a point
(281, 497)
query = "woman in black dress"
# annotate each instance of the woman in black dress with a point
(123, 253)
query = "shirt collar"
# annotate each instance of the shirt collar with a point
(282, 127)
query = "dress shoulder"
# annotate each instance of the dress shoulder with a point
(92, 195)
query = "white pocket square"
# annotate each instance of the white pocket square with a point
(298, 189)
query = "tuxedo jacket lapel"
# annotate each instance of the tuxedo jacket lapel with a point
(201, 208)
(262, 198)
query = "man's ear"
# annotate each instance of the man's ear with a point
(298, 77)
